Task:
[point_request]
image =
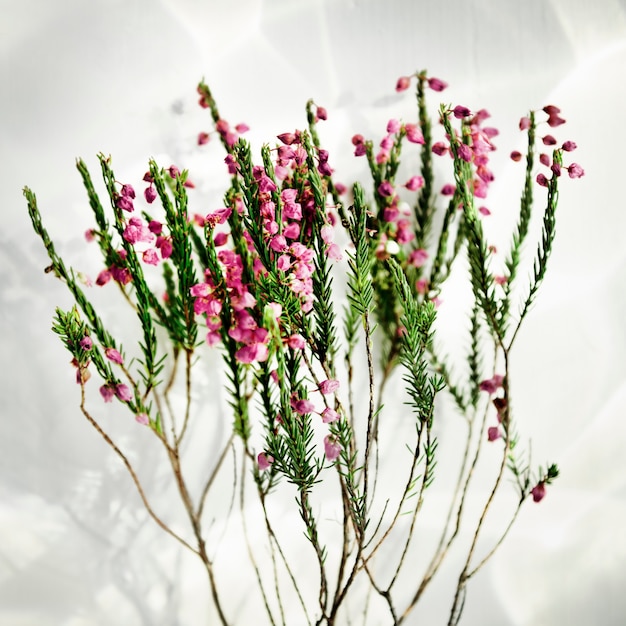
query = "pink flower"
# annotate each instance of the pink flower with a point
(460, 112)
(113, 355)
(465, 152)
(264, 461)
(203, 138)
(137, 231)
(287, 138)
(242, 128)
(548, 140)
(332, 449)
(421, 286)
(303, 406)
(417, 258)
(500, 280)
(483, 210)
(436, 84)
(125, 203)
(568, 146)
(493, 433)
(516, 156)
(150, 194)
(329, 415)
(385, 189)
(448, 190)
(542, 180)
(393, 126)
(103, 278)
(255, 352)
(321, 113)
(334, 252)
(127, 191)
(439, 148)
(575, 171)
(538, 491)
(123, 392)
(142, 418)
(491, 385)
(90, 235)
(107, 393)
(414, 183)
(86, 343)
(524, 123)
(296, 342)
(329, 386)
(413, 133)
(403, 83)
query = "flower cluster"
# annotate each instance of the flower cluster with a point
(257, 275)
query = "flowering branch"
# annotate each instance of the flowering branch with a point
(262, 277)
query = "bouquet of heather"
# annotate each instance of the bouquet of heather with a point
(319, 299)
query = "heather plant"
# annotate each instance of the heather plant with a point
(318, 297)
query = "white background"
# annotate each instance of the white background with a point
(81, 77)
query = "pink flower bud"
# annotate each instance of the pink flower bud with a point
(127, 191)
(575, 171)
(493, 433)
(568, 146)
(548, 140)
(524, 123)
(123, 392)
(436, 84)
(393, 126)
(264, 461)
(296, 342)
(403, 83)
(113, 355)
(142, 418)
(86, 343)
(465, 152)
(414, 183)
(329, 415)
(329, 386)
(542, 180)
(385, 189)
(439, 148)
(124, 203)
(287, 138)
(107, 393)
(150, 194)
(516, 156)
(460, 112)
(332, 448)
(322, 114)
(203, 138)
(414, 133)
(538, 492)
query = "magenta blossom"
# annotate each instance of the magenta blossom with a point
(113, 355)
(436, 84)
(107, 393)
(403, 83)
(123, 392)
(329, 386)
(142, 418)
(329, 415)
(538, 491)
(264, 461)
(491, 385)
(493, 433)
(332, 448)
